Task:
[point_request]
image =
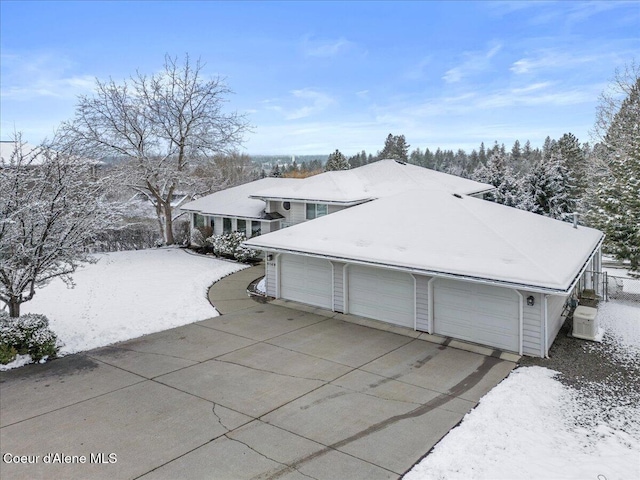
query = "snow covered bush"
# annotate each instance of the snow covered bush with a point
(28, 334)
(197, 238)
(229, 245)
(247, 255)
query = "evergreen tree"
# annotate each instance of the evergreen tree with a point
(509, 189)
(482, 154)
(395, 147)
(618, 190)
(548, 187)
(571, 154)
(275, 171)
(336, 161)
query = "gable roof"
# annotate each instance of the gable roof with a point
(442, 234)
(374, 180)
(235, 201)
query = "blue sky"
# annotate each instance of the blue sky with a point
(316, 76)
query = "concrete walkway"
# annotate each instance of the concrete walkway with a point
(263, 391)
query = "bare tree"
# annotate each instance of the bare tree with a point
(611, 99)
(50, 208)
(164, 124)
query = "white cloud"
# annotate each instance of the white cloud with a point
(475, 62)
(25, 77)
(325, 48)
(302, 103)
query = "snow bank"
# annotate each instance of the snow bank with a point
(128, 294)
(530, 427)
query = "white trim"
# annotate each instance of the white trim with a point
(277, 262)
(521, 321)
(543, 343)
(345, 279)
(427, 273)
(415, 302)
(333, 287)
(430, 323)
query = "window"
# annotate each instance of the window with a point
(242, 226)
(315, 210)
(198, 220)
(255, 228)
(286, 205)
(226, 225)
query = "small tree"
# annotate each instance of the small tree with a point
(49, 210)
(337, 161)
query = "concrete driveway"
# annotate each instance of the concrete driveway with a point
(263, 391)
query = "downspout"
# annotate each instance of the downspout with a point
(520, 321)
(431, 309)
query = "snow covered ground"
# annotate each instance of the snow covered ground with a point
(532, 426)
(128, 294)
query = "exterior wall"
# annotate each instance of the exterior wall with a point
(335, 208)
(298, 213)
(422, 303)
(217, 225)
(338, 286)
(270, 275)
(555, 306)
(532, 318)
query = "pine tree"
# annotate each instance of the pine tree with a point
(336, 161)
(571, 154)
(510, 190)
(396, 148)
(618, 191)
(548, 187)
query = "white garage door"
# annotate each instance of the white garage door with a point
(306, 280)
(478, 313)
(381, 294)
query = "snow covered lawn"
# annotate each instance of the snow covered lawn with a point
(532, 426)
(128, 294)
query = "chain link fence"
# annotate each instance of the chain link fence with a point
(623, 288)
(601, 286)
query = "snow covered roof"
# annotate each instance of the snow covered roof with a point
(374, 180)
(445, 234)
(235, 201)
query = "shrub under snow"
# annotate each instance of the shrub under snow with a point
(26, 335)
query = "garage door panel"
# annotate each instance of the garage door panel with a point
(306, 280)
(479, 313)
(381, 294)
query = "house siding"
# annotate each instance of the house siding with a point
(298, 213)
(555, 306)
(532, 318)
(338, 287)
(422, 302)
(217, 225)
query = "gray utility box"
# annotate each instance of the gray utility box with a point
(585, 323)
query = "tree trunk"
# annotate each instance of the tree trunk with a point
(168, 224)
(14, 308)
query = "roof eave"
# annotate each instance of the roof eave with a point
(433, 273)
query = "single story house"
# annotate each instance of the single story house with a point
(413, 247)
(435, 261)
